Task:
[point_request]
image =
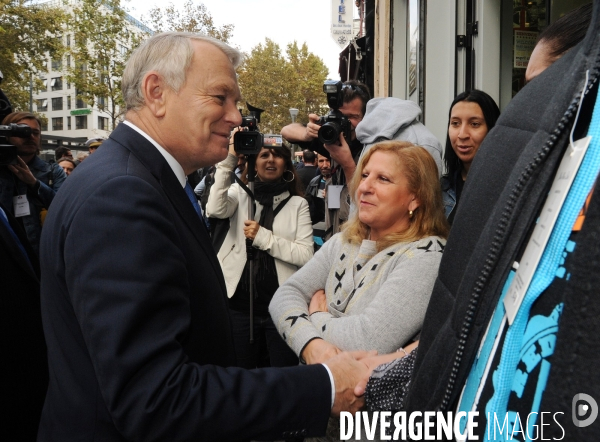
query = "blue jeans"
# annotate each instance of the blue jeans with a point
(268, 349)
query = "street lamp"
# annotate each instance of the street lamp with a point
(293, 114)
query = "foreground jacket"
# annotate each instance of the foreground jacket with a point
(507, 185)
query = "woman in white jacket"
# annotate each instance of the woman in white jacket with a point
(281, 235)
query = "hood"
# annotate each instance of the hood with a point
(384, 117)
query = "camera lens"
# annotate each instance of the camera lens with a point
(329, 133)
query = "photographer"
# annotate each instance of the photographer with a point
(28, 187)
(344, 155)
(281, 239)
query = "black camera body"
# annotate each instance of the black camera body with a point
(249, 141)
(8, 152)
(334, 123)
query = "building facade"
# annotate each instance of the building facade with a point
(70, 120)
(428, 51)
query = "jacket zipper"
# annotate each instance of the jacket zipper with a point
(499, 236)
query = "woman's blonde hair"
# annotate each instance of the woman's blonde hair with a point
(422, 175)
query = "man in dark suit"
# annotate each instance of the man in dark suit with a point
(134, 301)
(24, 364)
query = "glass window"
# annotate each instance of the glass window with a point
(42, 105)
(103, 123)
(68, 123)
(56, 84)
(44, 87)
(69, 102)
(57, 123)
(56, 65)
(81, 122)
(57, 104)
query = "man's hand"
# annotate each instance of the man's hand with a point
(373, 360)
(318, 303)
(347, 370)
(319, 350)
(21, 170)
(342, 155)
(297, 133)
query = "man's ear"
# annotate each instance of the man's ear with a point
(155, 93)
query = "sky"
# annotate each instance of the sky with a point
(283, 21)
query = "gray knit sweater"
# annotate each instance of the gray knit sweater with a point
(376, 301)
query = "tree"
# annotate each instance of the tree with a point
(270, 81)
(194, 18)
(27, 33)
(103, 39)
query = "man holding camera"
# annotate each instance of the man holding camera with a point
(344, 154)
(28, 187)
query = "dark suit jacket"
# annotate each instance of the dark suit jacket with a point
(24, 364)
(135, 315)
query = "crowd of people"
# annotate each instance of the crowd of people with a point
(171, 288)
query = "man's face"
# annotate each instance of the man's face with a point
(324, 165)
(353, 111)
(30, 145)
(198, 119)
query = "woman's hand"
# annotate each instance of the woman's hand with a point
(318, 303)
(251, 229)
(318, 350)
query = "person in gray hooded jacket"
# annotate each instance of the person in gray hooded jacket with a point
(391, 118)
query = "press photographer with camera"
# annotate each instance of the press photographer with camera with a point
(278, 236)
(348, 103)
(28, 186)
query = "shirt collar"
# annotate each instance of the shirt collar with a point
(175, 166)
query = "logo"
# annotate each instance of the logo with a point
(585, 410)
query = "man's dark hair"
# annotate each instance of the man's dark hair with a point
(61, 151)
(355, 89)
(309, 156)
(490, 111)
(567, 31)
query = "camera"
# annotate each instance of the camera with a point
(334, 123)
(250, 141)
(8, 152)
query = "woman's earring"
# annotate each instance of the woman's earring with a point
(290, 180)
(410, 213)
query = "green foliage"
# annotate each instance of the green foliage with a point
(194, 18)
(270, 81)
(102, 40)
(27, 33)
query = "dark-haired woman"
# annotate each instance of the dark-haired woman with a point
(472, 115)
(281, 235)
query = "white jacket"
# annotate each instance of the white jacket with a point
(290, 242)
